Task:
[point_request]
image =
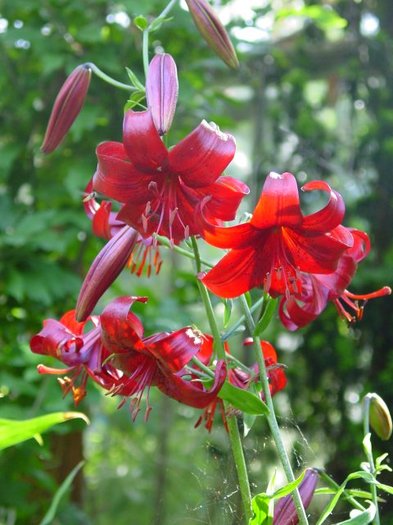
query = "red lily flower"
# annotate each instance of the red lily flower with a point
(158, 360)
(242, 378)
(160, 189)
(284, 511)
(117, 356)
(67, 107)
(82, 353)
(279, 242)
(318, 289)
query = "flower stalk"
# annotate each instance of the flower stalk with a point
(233, 430)
(271, 417)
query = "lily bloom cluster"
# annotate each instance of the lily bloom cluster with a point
(115, 354)
(308, 260)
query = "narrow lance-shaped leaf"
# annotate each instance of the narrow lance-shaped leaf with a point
(13, 432)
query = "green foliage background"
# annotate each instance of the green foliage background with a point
(314, 96)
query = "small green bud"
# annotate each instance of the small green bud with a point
(380, 418)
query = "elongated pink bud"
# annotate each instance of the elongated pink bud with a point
(105, 268)
(285, 511)
(213, 31)
(162, 88)
(67, 107)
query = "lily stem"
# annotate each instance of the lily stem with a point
(369, 453)
(233, 430)
(271, 417)
(109, 80)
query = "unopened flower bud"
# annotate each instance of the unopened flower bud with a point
(67, 107)
(284, 511)
(162, 88)
(105, 268)
(380, 418)
(213, 31)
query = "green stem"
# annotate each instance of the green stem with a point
(145, 51)
(241, 320)
(369, 453)
(164, 241)
(271, 417)
(167, 9)
(108, 79)
(233, 430)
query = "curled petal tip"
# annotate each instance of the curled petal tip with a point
(67, 107)
(162, 88)
(212, 30)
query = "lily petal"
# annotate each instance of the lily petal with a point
(121, 328)
(175, 350)
(162, 88)
(328, 217)
(201, 157)
(284, 511)
(226, 196)
(142, 142)
(236, 273)
(116, 177)
(190, 393)
(279, 203)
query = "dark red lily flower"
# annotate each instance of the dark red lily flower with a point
(82, 353)
(162, 88)
(279, 242)
(158, 360)
(317, 290)
(242, 378)
(160, 189)
(285, 511)
(117, 356)
(67, 107)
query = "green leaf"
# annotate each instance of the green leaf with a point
(330, 506)
(248, 423)
(260, 507)
(290, 487)
(157, 23)
(134, 100)
(141, 22)
(267, 315)
(359, 517)
(13, 432)
(243, 400)
(64, 487)
(367, 445)
(386, 488)
(135, 80)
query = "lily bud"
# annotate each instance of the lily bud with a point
(285, 510)
(213, 31)
(380, 418)
(162, 88)
(105, 268)
(67, 107)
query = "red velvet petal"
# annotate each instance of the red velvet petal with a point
(328, 217)
(361, 245)
(143, 144)
(121, 329)
(162, 88)
(191, 393)
(235, 274)
(201, 157)
(227, 194)
(52, 338)
(237, 237)
(314, 253)
(278, 204)
(70, 322)
(175, 350)
(116, 177)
